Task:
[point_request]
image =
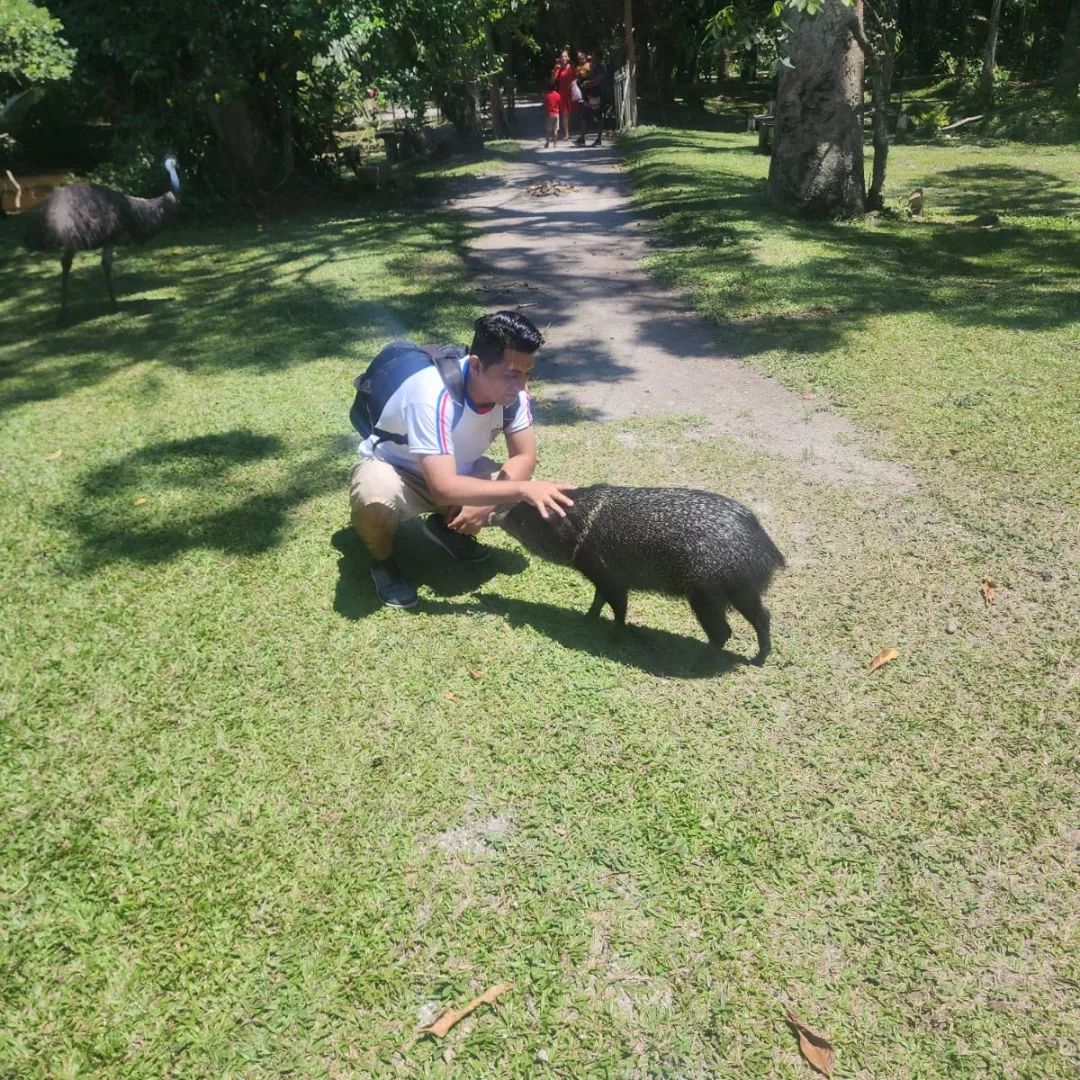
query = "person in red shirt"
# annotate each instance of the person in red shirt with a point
(565, 74)
(552, 108)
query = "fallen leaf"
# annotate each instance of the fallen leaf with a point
(449, 1017)
(178, 251)
(884, 657)
(56, 455)
(987, 588)
(815, 1049)
(450, 695)
(141, 501)
(476, 674)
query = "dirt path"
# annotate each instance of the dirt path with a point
(619, 343)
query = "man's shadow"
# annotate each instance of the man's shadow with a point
(355, 598)
(658, 652)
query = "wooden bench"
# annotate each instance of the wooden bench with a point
(392, 140)
(763, 124)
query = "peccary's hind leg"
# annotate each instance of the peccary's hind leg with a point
(748, 604)
(106, 265)
(709, 609)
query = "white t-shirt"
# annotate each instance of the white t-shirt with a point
(422, 410)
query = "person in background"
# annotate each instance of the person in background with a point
(564, 76)
(594, 95)
(552, 107)
(577, 105)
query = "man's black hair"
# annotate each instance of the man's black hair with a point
(492, 334)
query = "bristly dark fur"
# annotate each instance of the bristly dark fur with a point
(83, 217)
(696, 544)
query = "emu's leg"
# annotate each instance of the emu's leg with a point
(65, 269)
(709, 609)
(748, 604)
(106, 265)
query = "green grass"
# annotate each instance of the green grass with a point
(251, 823)
(958, 345)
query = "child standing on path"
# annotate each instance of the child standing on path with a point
(552, 106)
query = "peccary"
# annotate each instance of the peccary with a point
(706, 547)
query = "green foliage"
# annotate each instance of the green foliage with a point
(31, 47)
(234, 86)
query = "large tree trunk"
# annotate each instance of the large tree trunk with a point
(251, 153)
(986, 80)
(1068, 75)
(817, 160)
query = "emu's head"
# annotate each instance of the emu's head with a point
(174, 176)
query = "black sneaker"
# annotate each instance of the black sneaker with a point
(391, 587)
(457, 545)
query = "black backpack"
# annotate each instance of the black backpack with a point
(391, 367)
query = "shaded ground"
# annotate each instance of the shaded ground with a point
(618, 342)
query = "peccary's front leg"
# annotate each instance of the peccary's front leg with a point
(607, 591)
(609, 594)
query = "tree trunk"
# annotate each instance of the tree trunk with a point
(499, 122)
(880, 53)
(1068, 75)
(250, 155)
(817, 160)
(986, 80)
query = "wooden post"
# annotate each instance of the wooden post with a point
(631, 66)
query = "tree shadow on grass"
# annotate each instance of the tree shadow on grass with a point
(1020, 276)
(153, 504)
(1009, 189)
(298, 289)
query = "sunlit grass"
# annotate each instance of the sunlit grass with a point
(252, 823)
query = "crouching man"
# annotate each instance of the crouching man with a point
(426, 450)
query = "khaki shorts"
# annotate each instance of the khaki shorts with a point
(377, 482)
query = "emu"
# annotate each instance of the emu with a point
(84, 217)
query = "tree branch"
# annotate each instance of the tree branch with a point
(871, 55)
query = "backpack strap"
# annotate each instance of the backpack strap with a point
(447, 359)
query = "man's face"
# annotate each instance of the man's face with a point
(502, 382)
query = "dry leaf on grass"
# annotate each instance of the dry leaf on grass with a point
(815, 1049)
(884, 657)
(56, 455)
(140, 501)
(478, 675)
(450, 695)
(987, 588)
(449, 1017)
